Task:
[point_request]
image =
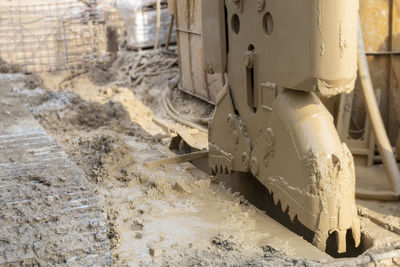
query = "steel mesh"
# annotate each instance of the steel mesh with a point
(61, 35)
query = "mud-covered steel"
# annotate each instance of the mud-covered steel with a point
(269, 119)
(316, 42)
(310, 44)
(375, 22)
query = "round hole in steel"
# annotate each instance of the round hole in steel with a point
(235, 23)
(268, 23)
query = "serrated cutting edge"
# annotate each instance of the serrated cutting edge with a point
(321, 236)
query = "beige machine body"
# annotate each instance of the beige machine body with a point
(279, 58)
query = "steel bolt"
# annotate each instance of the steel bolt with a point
(236, 3)
(249, 59)
(260, 5)
(245, 160)
(254, 166)
(209, 68)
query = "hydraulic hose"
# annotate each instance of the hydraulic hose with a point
(178, 118)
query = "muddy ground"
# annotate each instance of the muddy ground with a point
(109, 119)
(170, 215)
(49, 214)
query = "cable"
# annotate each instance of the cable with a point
(202, 121)
(180, 118)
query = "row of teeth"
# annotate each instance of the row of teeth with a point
(321, 238)
(220, 168)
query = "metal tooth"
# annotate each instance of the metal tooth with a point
(284, 206)
(215, 169)
(226, 170)
(321, 233)
(221, 169)
(320, 240)
(276, 199)
(341, 241)
(292, 214)
(356, 231)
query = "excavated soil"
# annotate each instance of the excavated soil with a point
(106, 118)
(168, 215)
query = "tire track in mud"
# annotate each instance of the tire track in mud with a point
(49, 213)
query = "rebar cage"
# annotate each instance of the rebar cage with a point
(54, 36)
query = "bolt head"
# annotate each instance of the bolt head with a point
(254, 166)
(249, 59)
(245, 160)
(236, 3)
(209, 68)
(260, 5)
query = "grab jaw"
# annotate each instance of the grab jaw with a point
(279, 58)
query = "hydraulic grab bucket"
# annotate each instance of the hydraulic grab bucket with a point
(279, 58)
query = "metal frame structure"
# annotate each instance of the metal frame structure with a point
(54, 36)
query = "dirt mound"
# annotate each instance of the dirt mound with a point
(101, 155)
(65, 111)
(95, 115)
(90, 133)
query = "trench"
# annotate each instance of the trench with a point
(258, 195)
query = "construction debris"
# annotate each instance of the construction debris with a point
(155, 252)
